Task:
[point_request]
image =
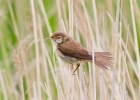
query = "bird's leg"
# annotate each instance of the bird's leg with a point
(76, 68)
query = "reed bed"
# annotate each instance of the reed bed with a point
(30, 69)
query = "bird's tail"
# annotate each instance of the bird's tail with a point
(104, 59)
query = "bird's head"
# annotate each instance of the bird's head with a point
(59, 37)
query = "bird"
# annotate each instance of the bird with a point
(72, 52)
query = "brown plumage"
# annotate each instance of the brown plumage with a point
(73, 52)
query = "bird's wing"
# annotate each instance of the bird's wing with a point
(74, 49)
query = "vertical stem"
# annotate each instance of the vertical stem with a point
(44, 63)
(93, 72)
(45, 16)
(96, 21)
(22, 88)
(124, 86)
(102, 85)
(35, 92)
(102, 73)
(113, 84)
(36, 48)
(63, 25)
(59, 11)
(70, 5)
(129, 80)
(81, 76)
(87, 18)
(114, 69)
(80, 68)
(135, 40)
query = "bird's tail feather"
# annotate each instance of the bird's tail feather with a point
(104, 59)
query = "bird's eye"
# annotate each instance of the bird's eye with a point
(58, 37)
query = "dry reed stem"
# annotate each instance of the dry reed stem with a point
(36, 49)
(87, 19)
(35, 92)
(81, 77)
(85, 87)
(127, 73)
(135, 40)
(58, 4)
(116, 31)
(44, 64)
(65, 17)
(93, 72)
(123, 44)
(129, 57)
(70, 6)
(80, 68)
(64, 28)
(124, 82)
(102, 71)
(96, 22)
(136, 9)
(45, 16)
